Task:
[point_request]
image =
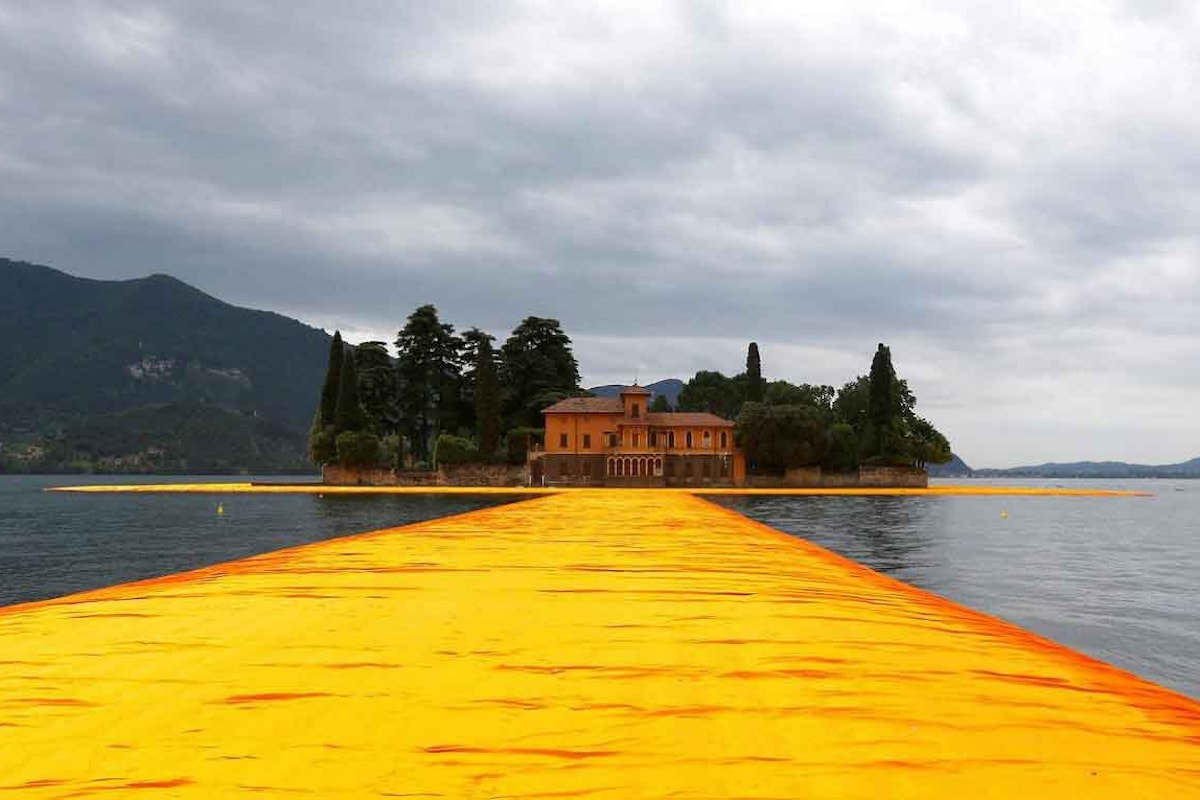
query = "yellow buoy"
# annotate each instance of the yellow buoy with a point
(1003, 515)
(220, 509)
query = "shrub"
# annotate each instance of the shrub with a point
(454, 450)
(322, 446)
(357, 449)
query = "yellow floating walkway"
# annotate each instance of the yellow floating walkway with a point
(630, 644)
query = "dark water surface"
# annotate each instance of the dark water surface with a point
(1117, 578)
(58, 543)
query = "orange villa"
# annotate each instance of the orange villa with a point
(617, 441)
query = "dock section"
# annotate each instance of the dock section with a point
(591, 644)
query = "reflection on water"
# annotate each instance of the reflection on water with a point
(53, 544)
(1118, 578)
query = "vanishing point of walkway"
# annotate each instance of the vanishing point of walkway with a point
(590, 644)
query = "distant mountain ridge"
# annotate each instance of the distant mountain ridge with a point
(1097, 469)
(1075, 469)
(668, 387)
(80, 358)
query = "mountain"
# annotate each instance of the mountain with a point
(90, 369)
(669, 388)
(1097, 469)
(954, 468)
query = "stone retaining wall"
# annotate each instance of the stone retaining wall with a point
(449, 475)
(814, 478)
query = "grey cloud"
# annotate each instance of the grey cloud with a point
(1008, 201)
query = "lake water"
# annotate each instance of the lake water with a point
(53, 544)
(1115, 577)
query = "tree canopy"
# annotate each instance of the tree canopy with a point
(712, 392)
(378, 387)
(428, 368)
(458, 391)
(537, 369)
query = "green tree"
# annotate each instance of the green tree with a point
(660, 404)
(378, 387)
(713, 392)
(349, 415)
(321, 446)
(333, 377)
(321, 441)
(755, 385)
(883, 404)
(537, 368)
(926, 444)
(778, 438)
(472, 339)
(487, 398)
(428, 369)
(843, 455)
(782, 393)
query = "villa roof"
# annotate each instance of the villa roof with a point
(587, 405)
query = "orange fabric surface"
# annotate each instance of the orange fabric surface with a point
(594, 644)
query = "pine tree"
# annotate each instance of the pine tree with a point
(378, 389)
(537, 369)
(471, 340)
(430, 380)
(333, 377)
(487, 399)
(349, 416)
(755, 385)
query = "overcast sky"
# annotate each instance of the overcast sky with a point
(1007, 194)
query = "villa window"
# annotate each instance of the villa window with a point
(587, 469)
(562, 440)
(724, 440)
(670, 438)
(637, 437)
(707, 440)
(587, 441)
(688, 440)
(637, 410)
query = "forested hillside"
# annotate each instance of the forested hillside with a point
(96, 375)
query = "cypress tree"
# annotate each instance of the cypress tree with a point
(333, 378)
(882, 401)
(349, 415)
(883, 408)
(487, 399)
(756, 387)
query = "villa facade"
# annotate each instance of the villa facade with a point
(618, 441)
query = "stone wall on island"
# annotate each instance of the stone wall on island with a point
(816, 478)
(447, 475)
(510, 475)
